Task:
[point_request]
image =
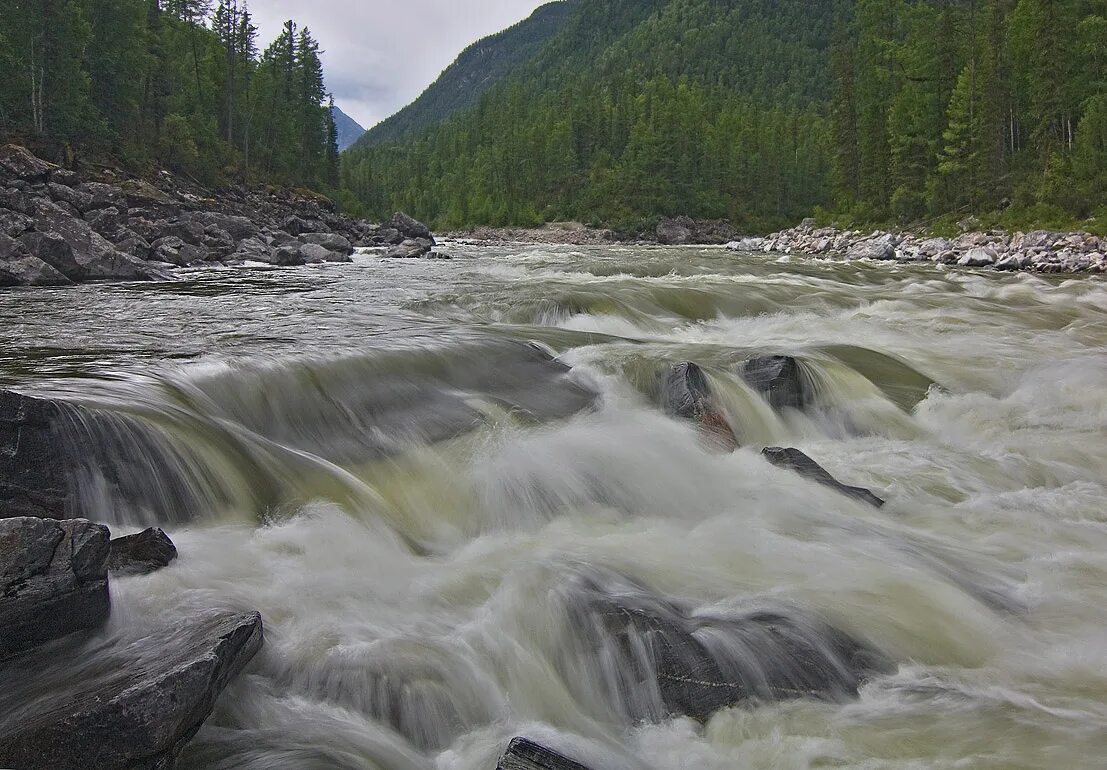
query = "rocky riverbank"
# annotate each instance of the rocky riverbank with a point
(1042, 251)
(59, 226)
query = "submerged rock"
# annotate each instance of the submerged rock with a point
(685, 392)
(778, 378)
(53, 580)
(130, 706)
(412, 248)
(141, 553)
(653, 658)
(525, 754)
(795, 460)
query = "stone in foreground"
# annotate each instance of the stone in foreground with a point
(524, 754)
(132, 706)
(141, 553)
(779, 379)
(53, 580)
(795, 460)
(654, 658)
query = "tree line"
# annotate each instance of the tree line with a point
(176, 83)
(764, 111)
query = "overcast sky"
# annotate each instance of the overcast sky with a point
(379, 54)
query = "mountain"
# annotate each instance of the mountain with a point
(764, 112)
(478, 68)
(349, 130)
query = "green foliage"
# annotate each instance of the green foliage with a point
(174, 82)
(762, 111)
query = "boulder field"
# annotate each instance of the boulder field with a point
(1042, 251)
(59, 227)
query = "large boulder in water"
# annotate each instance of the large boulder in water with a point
(410, 227)
(53, 581)
(412, 248)
(795, 460)
(654, 658)
(33, 469)
(525, 754)
(684, 391)
(20, 268)
(142, 553)
(127, 706)
(779, 379)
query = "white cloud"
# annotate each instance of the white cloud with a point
(378, 56)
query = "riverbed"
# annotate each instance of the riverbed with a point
(412, 595)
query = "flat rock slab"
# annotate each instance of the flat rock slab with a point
(119, 704)
(524, 754)
(795, 460)
(53, 580)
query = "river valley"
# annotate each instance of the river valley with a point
(368, 454)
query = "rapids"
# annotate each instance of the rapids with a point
(369, 456)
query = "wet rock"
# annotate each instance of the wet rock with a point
(141, 553)
(33, 470)
(20, 268)
(524, 754)
(329, 241)
(795, 460)
(19, 163)
(131, 706)
(410, 228)
(654, 658)
(412, 248)
(675, 232)
(253, 249)
(286, 256)
(53, 580)
(685, 392)
(174, 251)
(779, 379)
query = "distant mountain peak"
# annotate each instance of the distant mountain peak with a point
(477, 69)
(349, 130)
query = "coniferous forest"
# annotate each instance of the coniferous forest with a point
(763, 112)
(180, 84)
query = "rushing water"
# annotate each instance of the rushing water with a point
(412, 572)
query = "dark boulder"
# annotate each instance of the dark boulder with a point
(238, 227)
(65, 176)
(329, 241)
(524, 754)
(141, 553)
(174, 251)
(90, 256)
(13, 224)
(684, 392)
(412, 248)
(779, 379)
(20, 268)
(298, 226)
(654, 658)
(132, 705)
(78, 199)
(105, 221)
(18, 163)
(795, 460)
(102, 196)
(410, 227)
(33, 469)
(676, 232)
(53, 580)
(286, 256)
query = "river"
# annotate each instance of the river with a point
(411, 589)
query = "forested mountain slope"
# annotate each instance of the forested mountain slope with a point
(181, 84)
(764, 110)
(478, 68)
